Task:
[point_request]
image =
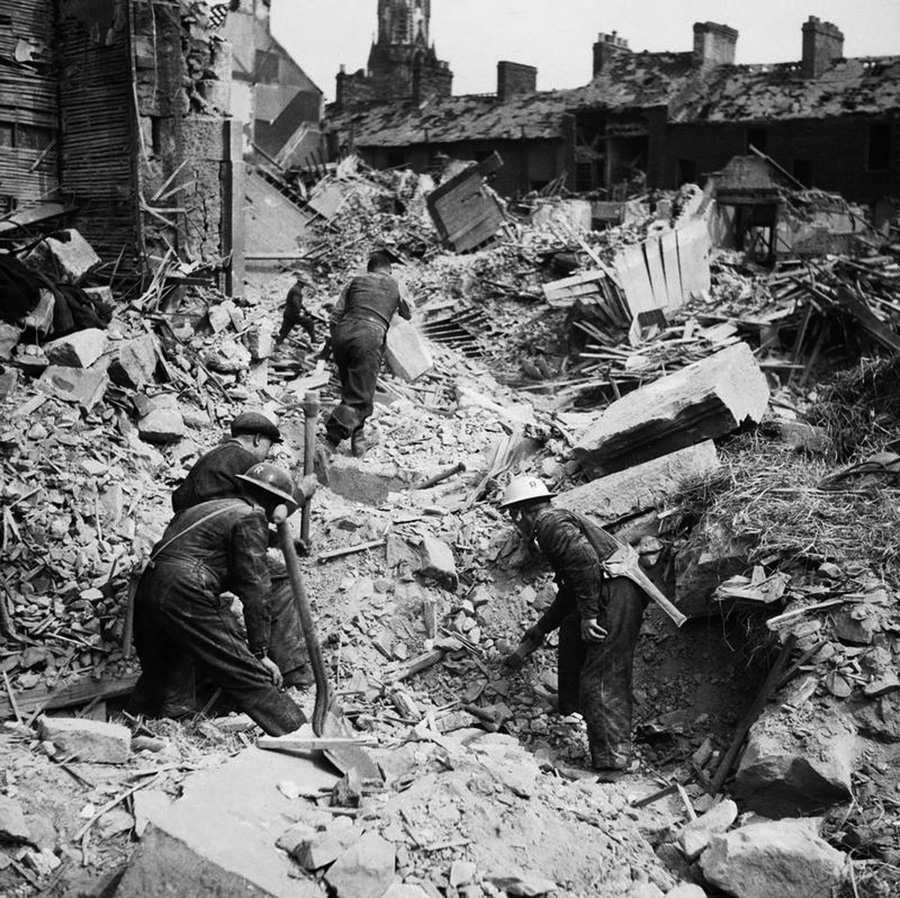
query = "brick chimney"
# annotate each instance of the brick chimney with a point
(822, 44)
(514, 78)
(714, 44)
(607, 46)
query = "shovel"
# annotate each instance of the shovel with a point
(624, 562)
(327, 719)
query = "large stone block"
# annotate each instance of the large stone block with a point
(235, 853)
(86, 387)
(136, 362)
(164, 866)
(437, 562)
(765, 860)
(707, 399)
(406, 352)
(784, 774)
(88, 740)
(66, 257)
(78, 350)
(365, 870)
(643, 486)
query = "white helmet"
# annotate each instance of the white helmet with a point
(523, 489)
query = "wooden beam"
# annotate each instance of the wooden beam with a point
(80, 692)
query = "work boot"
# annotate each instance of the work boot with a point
(360, 443)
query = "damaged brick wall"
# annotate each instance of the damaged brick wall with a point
(29, 123)
(96, 113)
(183, 79)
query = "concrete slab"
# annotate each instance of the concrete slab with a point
(229, 819)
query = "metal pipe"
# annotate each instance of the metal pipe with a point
(311, 415)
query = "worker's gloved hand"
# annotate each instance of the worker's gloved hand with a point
(591, 631)
(531, 642)
(273, 672)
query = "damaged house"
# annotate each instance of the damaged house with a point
(114, 120)
(662, 119)
(279, 104)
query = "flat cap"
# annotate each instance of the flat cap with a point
(253, 423)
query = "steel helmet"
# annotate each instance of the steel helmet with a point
(273, 480)
(253, 423)
(524, 489)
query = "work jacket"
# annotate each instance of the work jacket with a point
(212, 548)
(372, 297)
(575, 548)
(214, 476)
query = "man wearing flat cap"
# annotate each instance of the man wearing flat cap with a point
(214, 475)
(295, 311)
(359, 325)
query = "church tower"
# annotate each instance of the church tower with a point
(403, 65)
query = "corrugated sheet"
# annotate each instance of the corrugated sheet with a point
(29, 160)
(97, 141)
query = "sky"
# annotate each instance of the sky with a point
(557, 37)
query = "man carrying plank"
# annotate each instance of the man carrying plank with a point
(598, 613)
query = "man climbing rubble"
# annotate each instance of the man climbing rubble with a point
(598, 616)
(359, 325)
(181, 618)
(295, 311)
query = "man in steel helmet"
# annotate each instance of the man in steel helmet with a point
(181, 618)
(599, 619)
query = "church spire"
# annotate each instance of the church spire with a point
(404, 22)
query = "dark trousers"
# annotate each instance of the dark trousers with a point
(358, 346)
(179, 623)
(596, 678)
(291, 319)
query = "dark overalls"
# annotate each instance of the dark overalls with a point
(595, 678)
(358, 334)
(215, 476)
(181, 617)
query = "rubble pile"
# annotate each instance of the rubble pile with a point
(420, 586)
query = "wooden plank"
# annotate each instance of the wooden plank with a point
(668, 247)
(655, 273)
(312, 743)
(80, 692)
(631, 270)
(693, 255)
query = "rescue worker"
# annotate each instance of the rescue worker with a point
(295, 311)
(359, 325)
(181, 618)
(599, 619)
(215, 474)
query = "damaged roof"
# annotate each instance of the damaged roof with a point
(452, 119)
(862, 86)
(727, 93)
